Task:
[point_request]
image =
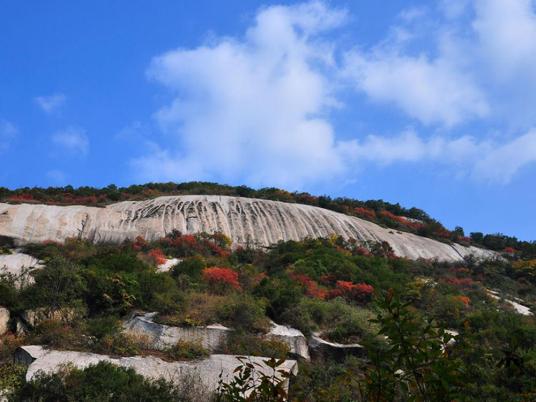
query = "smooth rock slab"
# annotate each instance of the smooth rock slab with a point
(246, 221)
(292, 337)
(211, 337)
(207, 370)
(19, 265)
(4, 320)
(320, 348)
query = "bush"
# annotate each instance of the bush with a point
(101, 382)
(59, 285)
(244, 312)
(245, 344)
(186, 350)
(221, 280)
(11, 376)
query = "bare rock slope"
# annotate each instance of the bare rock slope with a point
(244, 220)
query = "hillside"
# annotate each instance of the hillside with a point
(244, 220)
(158, 299)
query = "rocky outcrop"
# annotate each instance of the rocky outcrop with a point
(320, 348)
(294, 338)
(4, 320)
(19, 265)
(211, 337)
(518, 307)
(244, 220)
(207, 371)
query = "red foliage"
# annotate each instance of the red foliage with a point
(21, 198)
(311, 287)
(158, 256)
(362, 251)
(366, 213)
(401, 220)
(220, 275)
(354, 291)
(460, 282)
(510, 250)
(139, 244)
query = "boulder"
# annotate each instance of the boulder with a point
(4, 320)
(320, 348)
(292, 337)
(207, 371)
(160, 336)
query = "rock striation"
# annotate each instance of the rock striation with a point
(244, 220)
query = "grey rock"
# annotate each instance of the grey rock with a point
(4, 320)
(292, 337)
(19, 266)
(245, 220)
(206, 370)
(159, 336)
(320, 348)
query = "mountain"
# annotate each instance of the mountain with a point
(246, 221)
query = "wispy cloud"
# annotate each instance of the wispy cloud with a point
(8, 131)
(73, 140)
(51, 103)
(258, 108)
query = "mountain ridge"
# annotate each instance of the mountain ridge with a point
(246, 221)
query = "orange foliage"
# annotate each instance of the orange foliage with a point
(157, 256)
(464, 299)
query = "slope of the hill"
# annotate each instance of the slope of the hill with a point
(244, 220)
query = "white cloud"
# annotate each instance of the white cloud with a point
(257, 109)
(410, 147)
(430, 90)
(504, 161)
(252, 109)
(486, 160)
(8, 131)
(74, 140)
(50, 103)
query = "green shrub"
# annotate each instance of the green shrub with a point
(246, 344)
(102, 382)
(186, 350)
(11, 376)
(242, 311)
(59, 285)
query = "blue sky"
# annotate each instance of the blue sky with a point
(426, 103)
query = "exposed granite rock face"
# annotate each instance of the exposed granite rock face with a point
(19, 265)
(321, 348)
(4, 320)
(206, 370)
(244, 220)
(211, 337)
(292, 337)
